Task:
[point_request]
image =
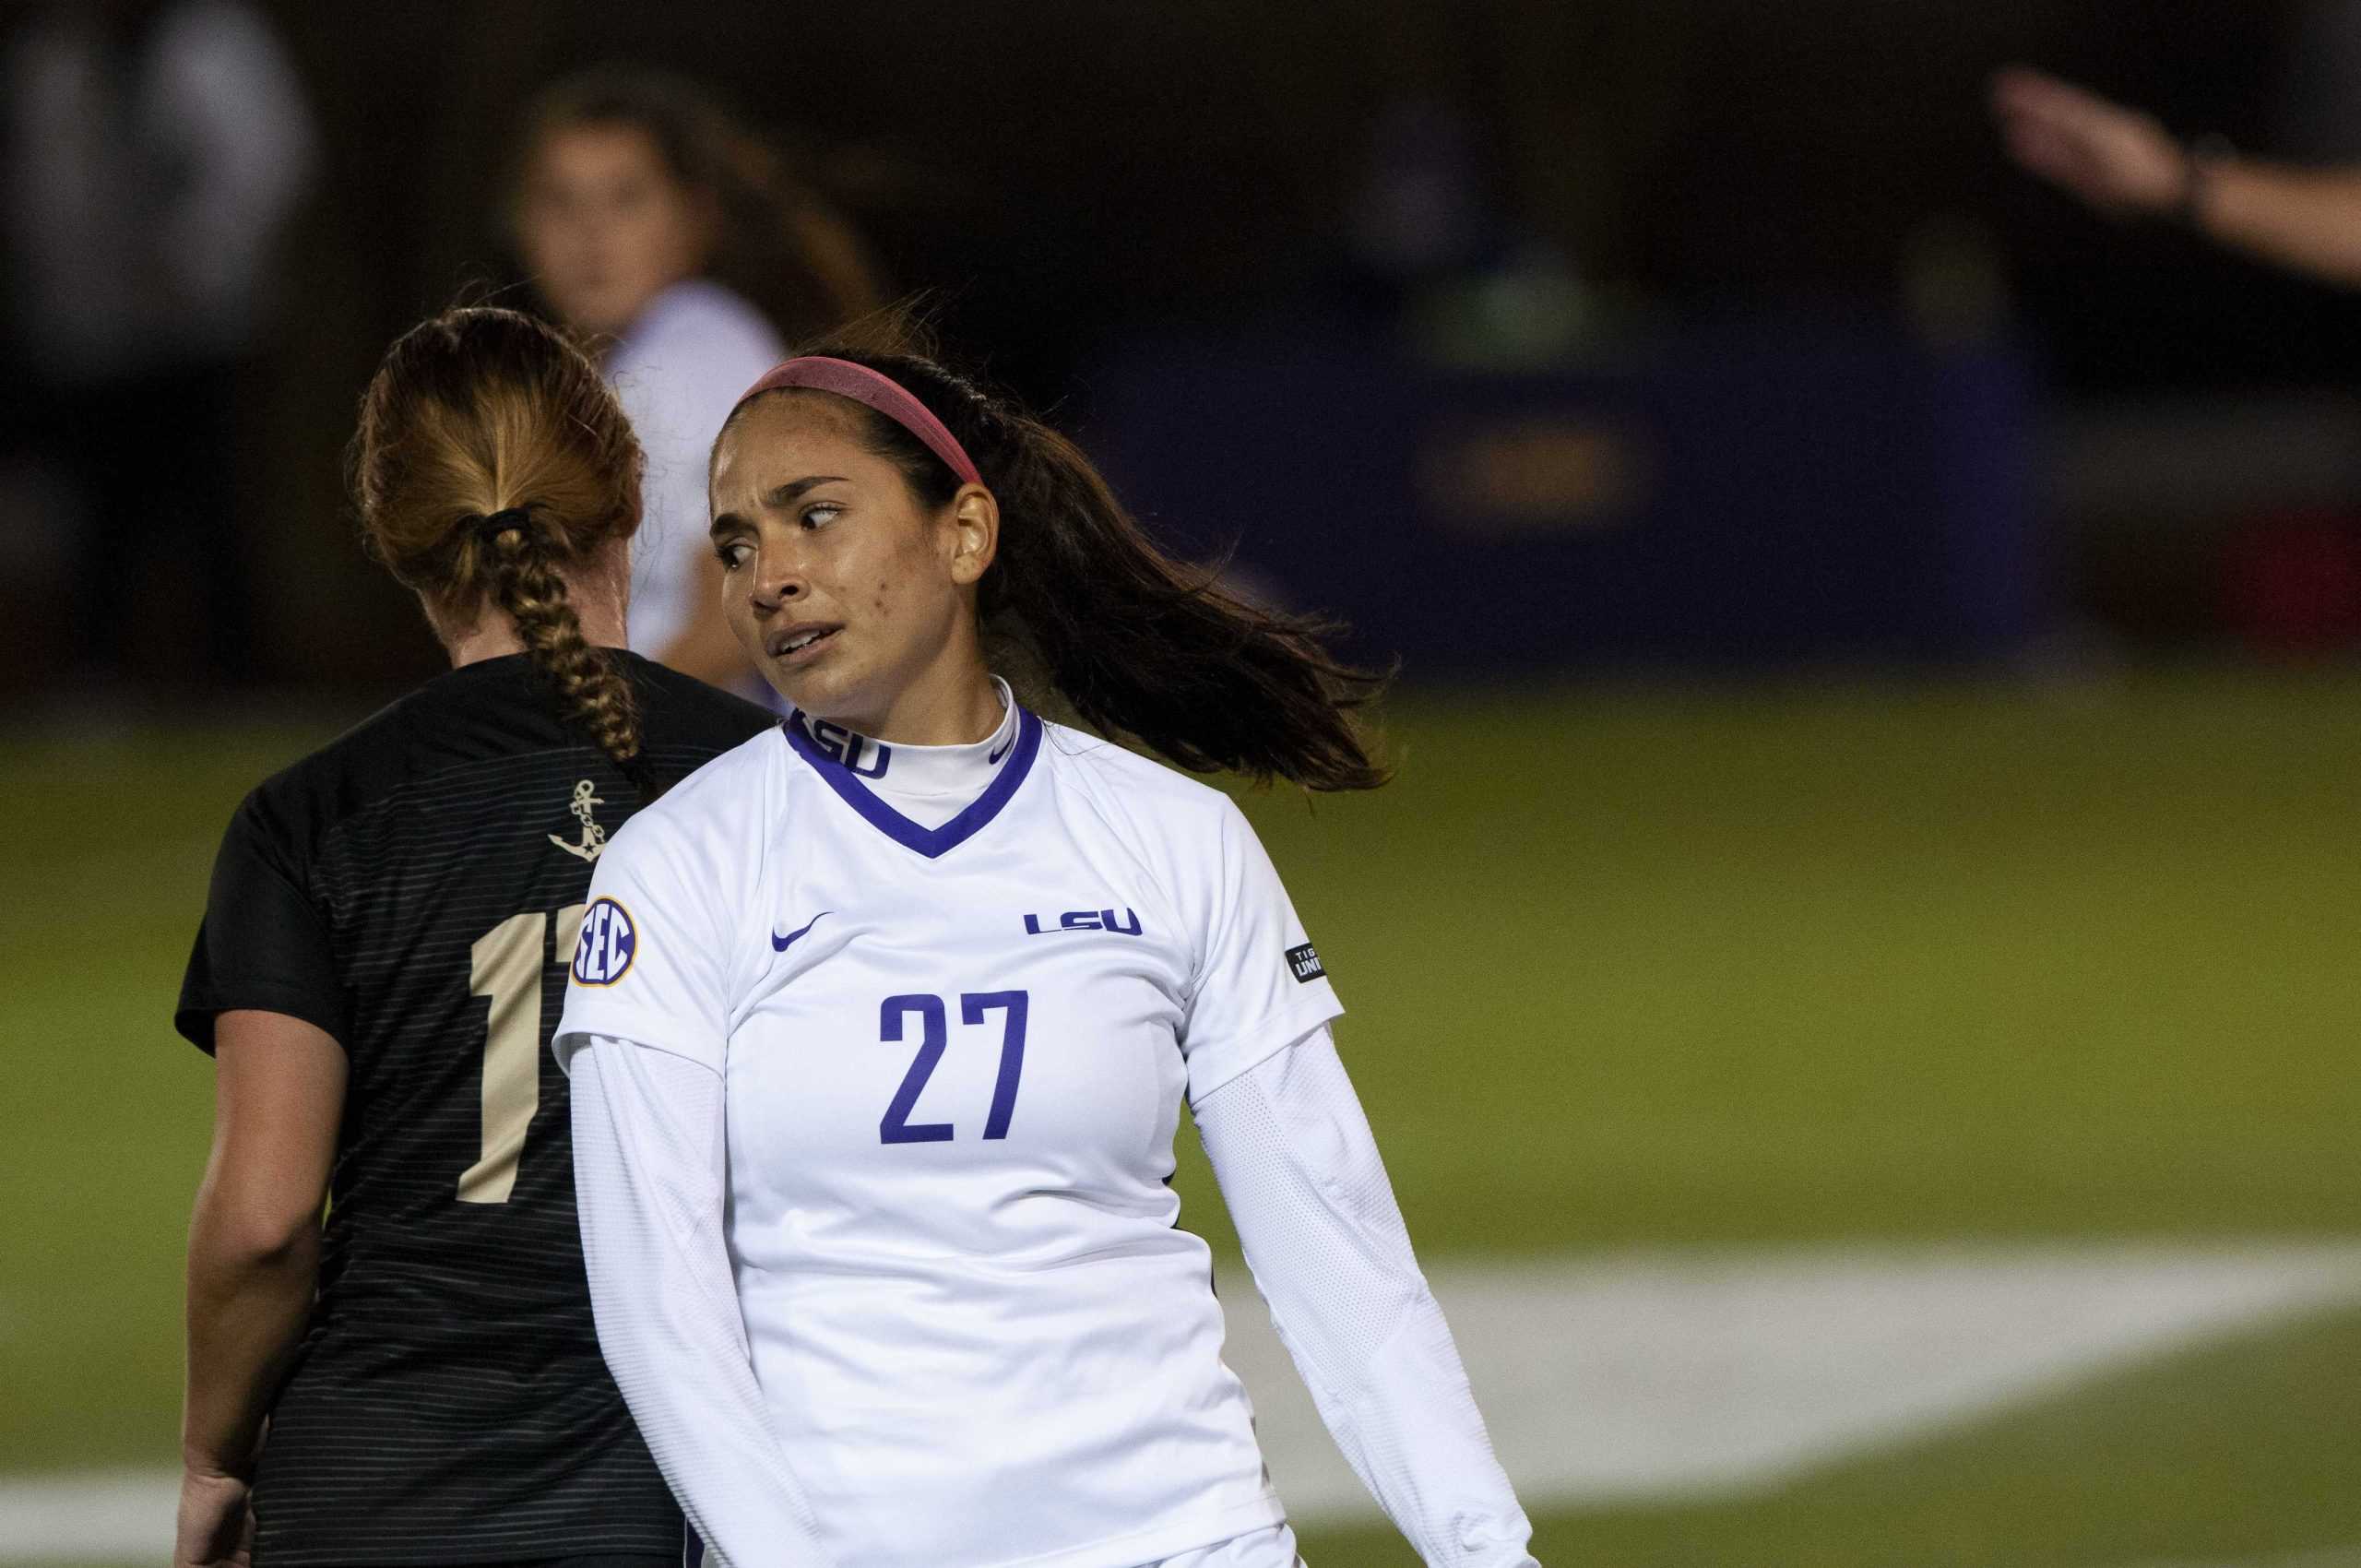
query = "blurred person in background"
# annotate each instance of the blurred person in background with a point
(2122, 162)
(683, 252)
(154, 152)
(376, 976)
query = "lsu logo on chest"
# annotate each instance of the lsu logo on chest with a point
(1083, 920)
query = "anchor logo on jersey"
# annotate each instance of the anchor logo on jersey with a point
(594, 837)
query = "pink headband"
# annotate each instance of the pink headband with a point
(863, 385)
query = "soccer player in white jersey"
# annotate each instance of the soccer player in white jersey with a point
(881, 1024)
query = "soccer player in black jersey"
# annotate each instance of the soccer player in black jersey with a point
(380, 966)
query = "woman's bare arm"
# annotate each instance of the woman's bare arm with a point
(254, 1249)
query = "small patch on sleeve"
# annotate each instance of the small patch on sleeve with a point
(1304, 964)
(609, 943)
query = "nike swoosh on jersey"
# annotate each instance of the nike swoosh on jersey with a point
(780, 944)
(995, 756)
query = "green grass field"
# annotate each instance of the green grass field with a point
(1882, 963)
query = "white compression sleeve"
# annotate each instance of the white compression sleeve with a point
(1299, 1170)
(649, 1177)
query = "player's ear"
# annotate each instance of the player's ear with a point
(974, 533)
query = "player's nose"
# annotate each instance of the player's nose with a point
(779, 581)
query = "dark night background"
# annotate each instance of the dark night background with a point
(1687, 165)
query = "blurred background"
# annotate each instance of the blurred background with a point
(1852, 981)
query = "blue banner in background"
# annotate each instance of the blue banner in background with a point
(1770, 495)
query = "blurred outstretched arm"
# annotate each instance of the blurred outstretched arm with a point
(1299, 1170)
(2124, 163)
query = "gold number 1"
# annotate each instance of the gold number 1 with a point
(506, 966)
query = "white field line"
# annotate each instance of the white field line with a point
(1618, 1378)
(1697, 1374)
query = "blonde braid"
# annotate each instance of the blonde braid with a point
(526, 585)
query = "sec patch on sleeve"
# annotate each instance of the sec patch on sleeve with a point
(609, 943)
(1304, 964)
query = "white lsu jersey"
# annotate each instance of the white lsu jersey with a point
(953, 1060)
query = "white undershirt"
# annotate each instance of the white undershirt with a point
(932, 784)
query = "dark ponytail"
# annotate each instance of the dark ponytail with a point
(1137, 643)
(489, 459)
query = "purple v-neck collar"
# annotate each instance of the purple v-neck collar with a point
(928, 841)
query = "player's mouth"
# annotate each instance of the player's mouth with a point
(791, 646)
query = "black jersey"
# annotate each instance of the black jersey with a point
(414, 890)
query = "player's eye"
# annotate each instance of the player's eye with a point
(820, 513)
(734, 553)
